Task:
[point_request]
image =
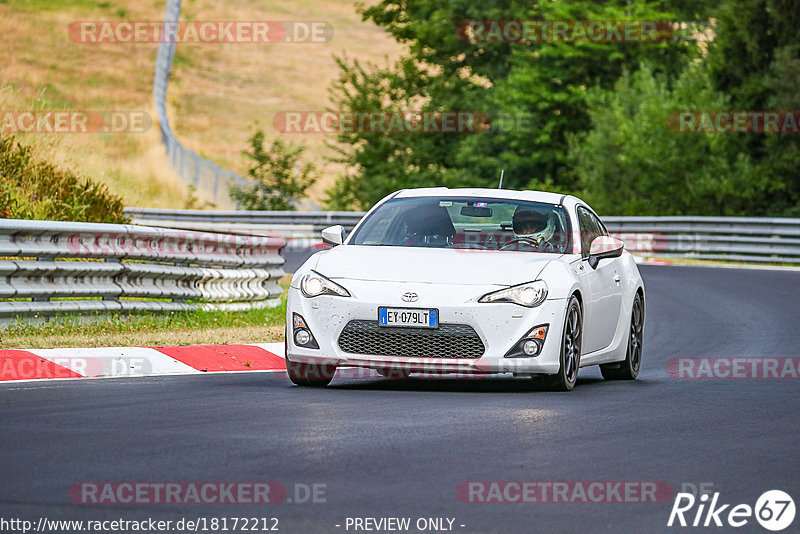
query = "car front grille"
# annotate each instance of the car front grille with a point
(447, 341)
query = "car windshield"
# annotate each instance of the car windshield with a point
(466, 223)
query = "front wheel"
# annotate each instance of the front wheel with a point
(628, 369)
(571, 342)
(309, 374)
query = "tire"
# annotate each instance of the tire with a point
(309, 374)
(628, 369)
(571, 342)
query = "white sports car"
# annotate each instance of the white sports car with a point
(441, 280)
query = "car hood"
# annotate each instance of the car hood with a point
(431, 265)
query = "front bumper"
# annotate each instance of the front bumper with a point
(499, 325)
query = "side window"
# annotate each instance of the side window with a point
(383, 229)
(601, 228)
(590, 227)
(378, 232)
(586, 227)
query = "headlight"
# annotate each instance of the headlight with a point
(314, 284)
(529, 295)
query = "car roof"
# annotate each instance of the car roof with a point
(506, 194)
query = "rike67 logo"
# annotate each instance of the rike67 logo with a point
(774, 510)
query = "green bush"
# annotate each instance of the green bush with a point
(5, 199)
(32, 189)
(279, 180)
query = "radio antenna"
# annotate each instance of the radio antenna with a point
(502, 172)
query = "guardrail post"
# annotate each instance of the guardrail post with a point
(178, 300)
(40, 298)
(111, 260)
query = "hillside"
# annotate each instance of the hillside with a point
(219, 92)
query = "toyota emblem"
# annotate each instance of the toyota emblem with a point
(410, 297)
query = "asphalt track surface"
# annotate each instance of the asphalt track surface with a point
(400, 448)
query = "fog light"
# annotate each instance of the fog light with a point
(302, 337)
(531, 348)
(302, 333)
(531, 344)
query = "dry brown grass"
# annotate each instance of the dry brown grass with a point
(43, 69)
(218, 95)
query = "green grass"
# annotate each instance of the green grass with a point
(56, 5)
(167, 328)
(129, 324)
(148, 329)
(151, 329)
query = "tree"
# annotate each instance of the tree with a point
(540, 86)
(278, 179)
(632, 163)
(782, 151)
(755, 58)
(549, 80)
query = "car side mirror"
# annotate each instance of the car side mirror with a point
(333, 235)
(604, 247)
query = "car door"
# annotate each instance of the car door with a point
(602, 305)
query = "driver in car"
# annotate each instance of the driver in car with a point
(533, 230)
(429, 226)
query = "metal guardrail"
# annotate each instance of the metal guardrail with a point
(744, 239)
(290, 224)
(194, 169)
(60, 267)
(315, 218)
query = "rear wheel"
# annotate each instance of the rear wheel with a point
(628, 369)
(309, 374)
(571, 342)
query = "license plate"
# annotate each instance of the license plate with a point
(414, 317)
